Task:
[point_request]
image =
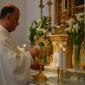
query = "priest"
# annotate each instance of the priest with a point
(14, 63)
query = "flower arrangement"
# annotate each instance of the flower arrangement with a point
(39, 36)
(76, 29)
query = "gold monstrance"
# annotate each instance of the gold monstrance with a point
(40, 77)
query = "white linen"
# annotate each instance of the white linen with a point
(14, 64)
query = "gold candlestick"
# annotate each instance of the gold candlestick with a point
(49, 3)
(41, 8)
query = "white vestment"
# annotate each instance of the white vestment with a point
(14, 64)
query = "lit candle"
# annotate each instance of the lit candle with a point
(24, 47)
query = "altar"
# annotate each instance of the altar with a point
(57, 40)
(61, 59)
(52, 78)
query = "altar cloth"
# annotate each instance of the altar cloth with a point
(53, 80)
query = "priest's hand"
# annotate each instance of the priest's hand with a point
(37, 66)
(35, 51)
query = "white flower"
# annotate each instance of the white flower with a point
(43, 30)
(39, 21)
(76, 27)
(71, 21)
(74, 24)
(68, 29)
(72, 30)
(35, 37)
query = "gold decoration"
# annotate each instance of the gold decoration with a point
(39, 36)
(40, 77)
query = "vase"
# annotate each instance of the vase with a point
(76, 57)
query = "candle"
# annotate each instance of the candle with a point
(60, 59)
(24, 47)
(64, 58)
(56, 59)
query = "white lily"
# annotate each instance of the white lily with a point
(43, 30)
(76, 27)
(71, 21)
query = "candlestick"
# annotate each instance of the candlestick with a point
(62, 62)
(64, 59)
(60, 59)
(41, 8)
(49, 3)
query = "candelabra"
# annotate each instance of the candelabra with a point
(49, 3)
(41, 8)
